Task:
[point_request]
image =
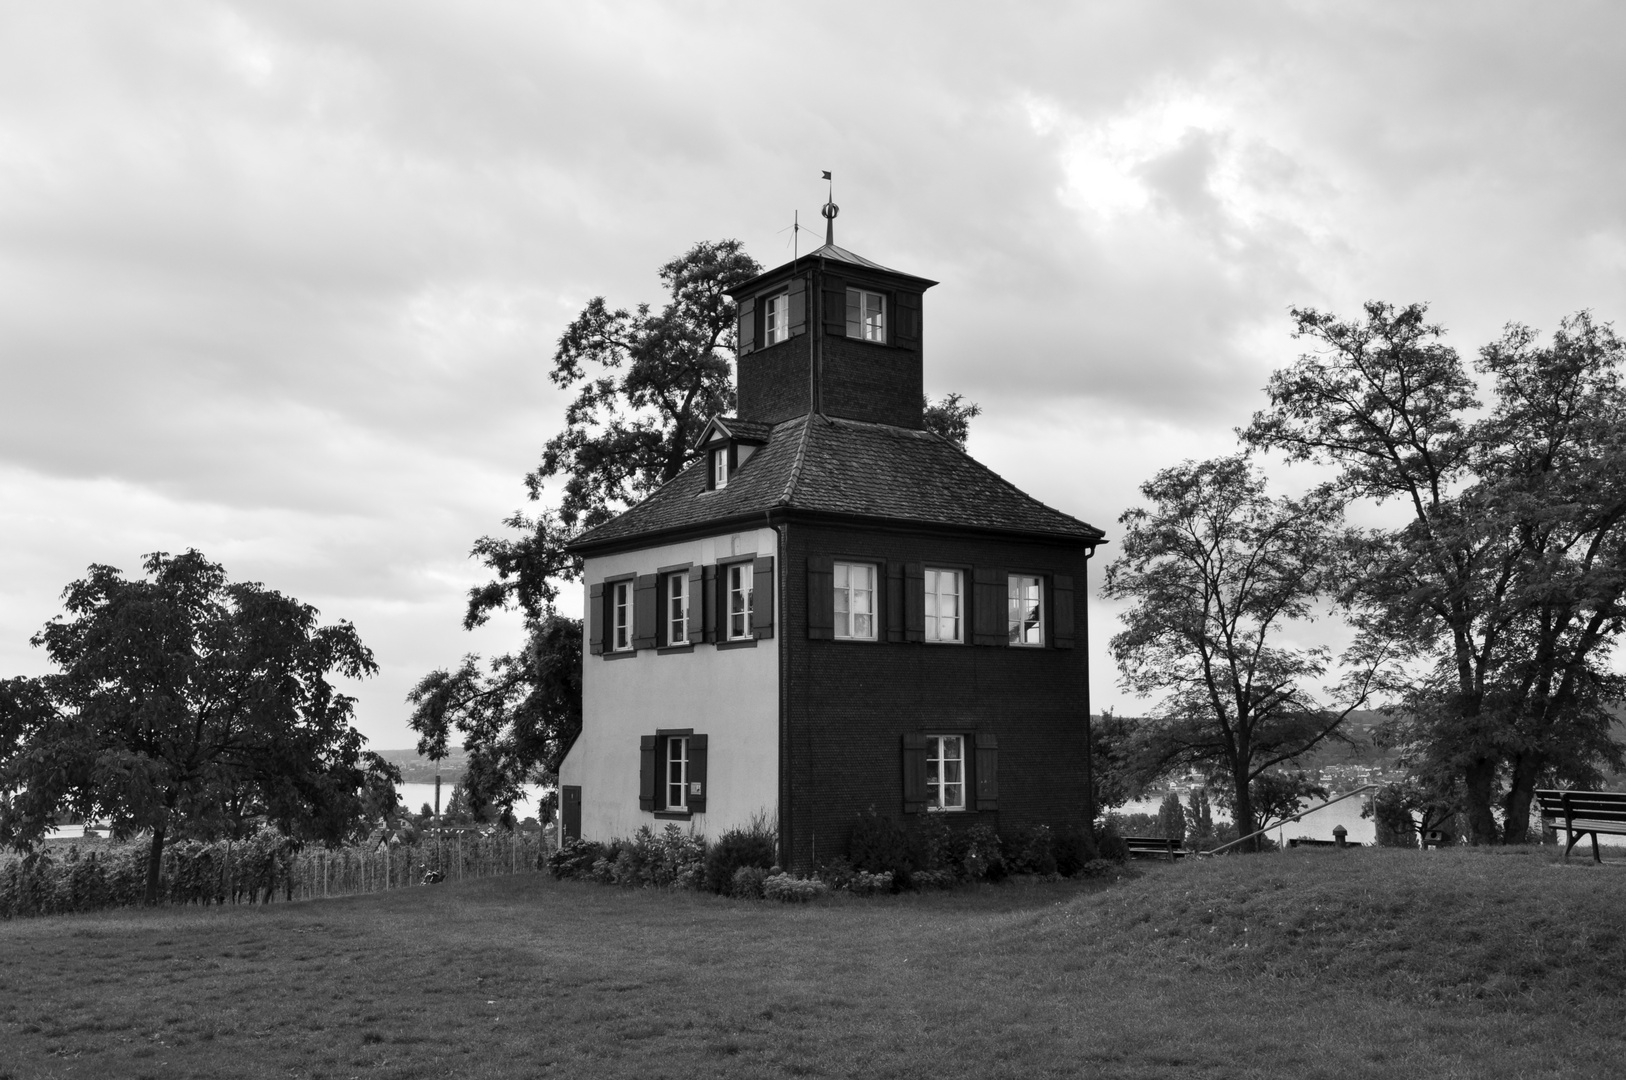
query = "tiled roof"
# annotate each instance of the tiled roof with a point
(831, 465)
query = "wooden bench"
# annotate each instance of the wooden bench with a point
(1147, 846)
(1583, 813)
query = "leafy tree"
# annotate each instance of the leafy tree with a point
(1171, 819)
(1215, 572)
(951, 417)
(1199, 816)
(1505, 584)
(1111, 770)
(1403, 812)
(186, 706)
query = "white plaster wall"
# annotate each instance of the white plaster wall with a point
(729, 695)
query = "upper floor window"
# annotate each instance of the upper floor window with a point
(945, 772)
(1025, 620)
(855, 601)
(866, 315)
(944, 614)
(740, 579)
(776, 319)
(675, 596)
(621, 616)
(719, 468)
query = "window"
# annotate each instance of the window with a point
(621, 616)
(944, 615)
(719, 468)
(675, 599)
(1026, 618)
(740, 579)
(776, 319)
(676, 790)
(945, 772)
(866, 315)
(855, 601)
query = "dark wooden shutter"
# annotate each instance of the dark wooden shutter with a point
(914, 773)
(697, 774)
(595, 619)
(893, 612)
(707, 599)
(571, 811)
(644, 607)
(988, 607)
(987, 770)
(821, 597)
(835, 306)
(697, 606)
(1061, 610)
(914, 602)
(720, 589)
(798, 306)
(748, 325)
(648, 771)
(762, 594)
(906, 320)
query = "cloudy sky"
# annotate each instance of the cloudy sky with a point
(281, 282)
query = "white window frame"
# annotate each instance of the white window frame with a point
(776, 319)
(621, 613)
(870, 324)
(675, 757)
(675, 608)
(1025, 614)
(740, 583)
(941, 792)
(847, 626)
(936, 577)
(719, 468)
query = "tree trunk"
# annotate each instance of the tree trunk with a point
(155, 866)
(1242, 810)
(1478, 780)
(1516, 803)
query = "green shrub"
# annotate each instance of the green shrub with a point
(1109, 842)
(575, 859)
(793, 890)
(747, 883)
(838, 873)
(1074, 846)
(879, 846)
(984, 858)
(864, 884)
(1029, 851)
(736, 849)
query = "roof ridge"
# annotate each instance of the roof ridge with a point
(795, 473)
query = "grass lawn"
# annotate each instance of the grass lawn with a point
(1307, 964)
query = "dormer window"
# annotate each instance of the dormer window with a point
(866, 315)
(719, 468)
(776, 319)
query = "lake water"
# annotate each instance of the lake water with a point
(416, 796)
(1317, 826)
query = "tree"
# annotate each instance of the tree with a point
(1171, 819)
(1111, 738)
(1199, 816)
(187, 706)
(951, 417)
(1504, 585)
(1214, 573)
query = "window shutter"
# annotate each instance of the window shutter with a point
(894, 602)
(798, 306)
(1061, 610)
(595, 619)
(706, 597)
(914, 773)
(914, 602)
(987, 767)
(697, 774)
(748, 325)
(697, 606)
(906, 320)
(855, 313)
(644, 607)
(762, 594)
(835, 306)
(821, 597)
(647, 771)
(989, 604)
(719, 592)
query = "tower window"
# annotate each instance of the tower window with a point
(776, 319)
(866, 315)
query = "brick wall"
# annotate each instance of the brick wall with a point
(879, 383)
(849, 704)
(773, 382)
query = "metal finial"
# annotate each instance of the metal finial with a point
(830, 211)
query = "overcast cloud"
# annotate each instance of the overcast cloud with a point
(281, 282)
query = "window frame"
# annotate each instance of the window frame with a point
(1018, 636)
(936, 747)
(668, 621)
(746, 572)
(844, 611)
(666, 745)
(933, 597)
(775, 310)
(718, 468)
(863, 322)
(621, 601)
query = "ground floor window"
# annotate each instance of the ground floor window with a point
(677, 773)
(945, 772)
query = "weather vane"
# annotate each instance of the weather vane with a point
(830, 211)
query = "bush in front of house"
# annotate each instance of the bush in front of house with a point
(1030, 850)
(793, 890)
(747, 883)
(575, 859)
(879, 846)
(736, 850)
(670, 859)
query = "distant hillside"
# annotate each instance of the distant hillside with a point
(420, 770)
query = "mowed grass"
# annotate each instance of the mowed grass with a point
(1307, 964)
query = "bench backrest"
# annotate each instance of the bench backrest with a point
(1591, 805)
